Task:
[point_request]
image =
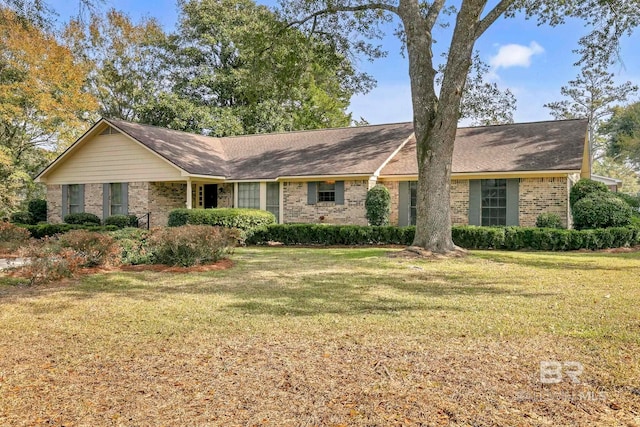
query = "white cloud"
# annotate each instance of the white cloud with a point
(515, 55)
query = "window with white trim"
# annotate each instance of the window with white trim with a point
(249, 195)
(74, 198)
(116, 199)
(327, 191)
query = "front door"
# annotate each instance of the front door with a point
(210, 196)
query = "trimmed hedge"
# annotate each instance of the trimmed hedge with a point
(469, 237)
(38, 208)
(82, 218)
(22, 217)
(243, 219)
(548, 220)
(122, 221)
(584, 188)
(378, 205)
(321, 234)
(601, 211)
(43, 230)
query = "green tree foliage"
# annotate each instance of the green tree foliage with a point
(592, 95)
(623, 130)
(378, 205)
(615, 168)
(239, 63)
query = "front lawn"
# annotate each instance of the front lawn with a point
(329, 337)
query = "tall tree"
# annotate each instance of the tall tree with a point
(623, 131)
(592, 95)
(235, 56)
(43, 103)
(436, 112)
(126, 61)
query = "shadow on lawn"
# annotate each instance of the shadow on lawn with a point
(563, 261)
(308, 292)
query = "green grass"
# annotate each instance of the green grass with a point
(328, 337)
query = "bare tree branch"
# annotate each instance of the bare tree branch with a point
(335, 9)
(491, 17)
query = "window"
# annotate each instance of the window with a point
(327, 191)
(74, 198)
(116, 199)
(273, 199)
(494, 201)
(249, 195)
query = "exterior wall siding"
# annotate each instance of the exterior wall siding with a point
(460, 201)
(138, 198)
(394, 192)
(93, 199)
(296, 209)
(539, 195)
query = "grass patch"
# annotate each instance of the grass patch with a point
(329, 337)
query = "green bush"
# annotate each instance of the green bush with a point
(82, 218)
(378, 205)
(44, 230)
(246, 220)
(585, 187)
(189, 245)
(469, 237)
(601, 211)
(548, 220)
(133, 245)
(633, 201)
(122, 221)
(38, 208)
(22, 217)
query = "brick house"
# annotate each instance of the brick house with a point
(502, 175)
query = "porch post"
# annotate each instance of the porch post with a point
(189, 194)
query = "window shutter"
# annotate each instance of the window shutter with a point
(312, 193)
(65, 201)
(81, 197)
(475, 202)
(106, 203)
(513, 200)
(125, 198)
(339, 192)
(403, 203)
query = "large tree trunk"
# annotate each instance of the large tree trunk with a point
(436, 120)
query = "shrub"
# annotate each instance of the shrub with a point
(122, 221)
(191, 244)
(133, 245)
(378, 205)
(22, 217)
(246, 220)
(585, 187)
(43, 230)
(93, 249)
(601, 211)
(83, 218)
(633, 201)
(325, 234)
(12, 237)
(548, 220)
(48, 261)
(38, 208)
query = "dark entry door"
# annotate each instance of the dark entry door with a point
(210, 196)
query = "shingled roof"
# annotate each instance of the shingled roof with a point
(539, 146)
(362, 151)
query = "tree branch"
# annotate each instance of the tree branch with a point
(491, 17)
(433, 13)
(330, 10)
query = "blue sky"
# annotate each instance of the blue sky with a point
(532, 61)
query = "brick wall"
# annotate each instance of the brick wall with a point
(394, 192)
(54, 204)
(539, 195)
(225, 197)
(93, 199)
(460, 201)
(138, 198)
(296, 208)
(164, 197)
